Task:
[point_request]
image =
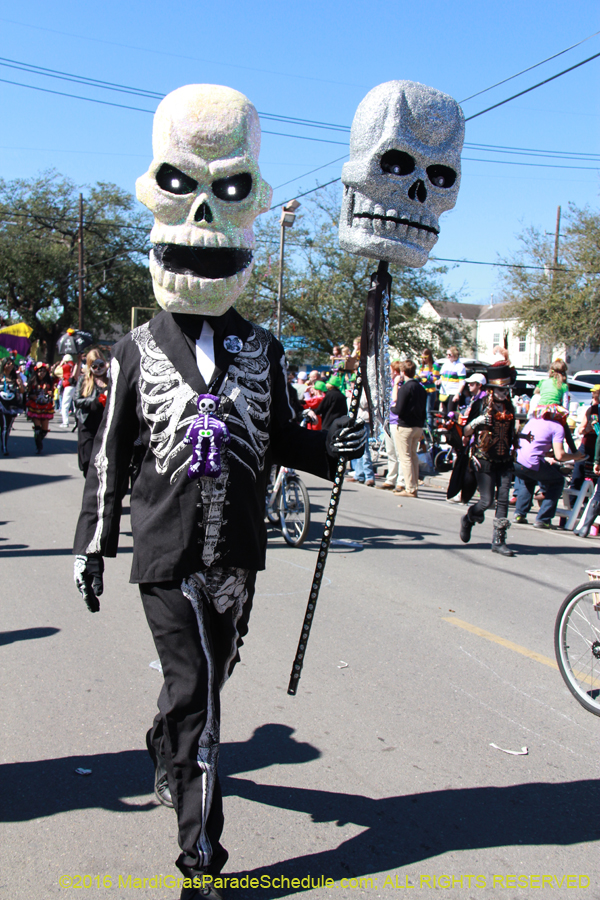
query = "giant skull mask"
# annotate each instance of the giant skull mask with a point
(205, 190)
(404, 171)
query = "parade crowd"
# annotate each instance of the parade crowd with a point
(493, 454)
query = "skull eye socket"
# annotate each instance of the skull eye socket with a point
(396, 162)
(237, 187)
(441, 176)
(175, 182)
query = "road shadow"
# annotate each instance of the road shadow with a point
(18, 481)
(26, 634)
(401, 831)
(46, 787)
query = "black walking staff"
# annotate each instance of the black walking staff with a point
(372, 374)
(403, 173)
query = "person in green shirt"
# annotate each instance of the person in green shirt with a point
(554, 389)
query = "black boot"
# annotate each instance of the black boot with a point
(466, 525)
(161, 784)
(501, 526)
(592, 512)
(38, 438)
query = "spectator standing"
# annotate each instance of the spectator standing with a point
(451, 381)
(593, 507)
(393, 479)
(334, 403)
(428, 375)
(68, 383)
(11, 399)
(293, 399)
(40, 403)
(411, 408)
(90, 400)
(547, 429)
(301, 386)
(587, 433)
(362, 468)
(312, 404)
(476, 388)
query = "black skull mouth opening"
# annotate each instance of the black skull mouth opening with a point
(203, 262)
(398, 220)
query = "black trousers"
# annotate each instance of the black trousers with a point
(498, 477)
(197, 626)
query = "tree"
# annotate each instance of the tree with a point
(561, 303)
(39, 220)
(325, 288)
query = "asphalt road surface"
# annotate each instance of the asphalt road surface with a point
(379, 774)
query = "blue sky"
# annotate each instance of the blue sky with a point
(317, 60)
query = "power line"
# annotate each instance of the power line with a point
(529, 68)
(312, 171)
(533, 87)
(151, 95)
(181, 56)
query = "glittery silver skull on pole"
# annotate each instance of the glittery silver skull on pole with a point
(403, 172)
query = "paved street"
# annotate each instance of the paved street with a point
(380, 772)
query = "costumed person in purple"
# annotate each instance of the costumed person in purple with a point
(206, 434)
(201, 392)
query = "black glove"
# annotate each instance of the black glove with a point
(346, 438)
(88, 578)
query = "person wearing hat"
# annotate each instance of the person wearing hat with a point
(334, 403)
(300, 385)
(476, 387)
(491, 425)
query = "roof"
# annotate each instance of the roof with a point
(497, 311)
(450, 309)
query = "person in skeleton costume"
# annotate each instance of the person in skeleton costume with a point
(491, 424)
(205, 392)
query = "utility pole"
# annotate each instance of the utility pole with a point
(288, 214)
(556, 240)
(81, 262)
(545, 348)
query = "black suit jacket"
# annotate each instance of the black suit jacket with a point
(181, 525)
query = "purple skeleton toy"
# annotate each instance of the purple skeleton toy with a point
(206, 433)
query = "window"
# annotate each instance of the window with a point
(496, 341)
(522, 345)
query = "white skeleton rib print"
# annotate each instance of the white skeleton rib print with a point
(164, 394)
(248, 387)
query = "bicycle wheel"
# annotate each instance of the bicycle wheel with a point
(577, 644)
(272, 509)
(442, 461)
(294, 511)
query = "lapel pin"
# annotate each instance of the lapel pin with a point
(233, 344)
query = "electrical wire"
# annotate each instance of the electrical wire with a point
(179, 55)
(533, 87)
(312, 171)
(529, 68)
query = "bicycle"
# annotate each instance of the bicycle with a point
(577, 643)
(288, 504)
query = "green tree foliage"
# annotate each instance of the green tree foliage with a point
(562, 303)
(39, 219)
(325, 288)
